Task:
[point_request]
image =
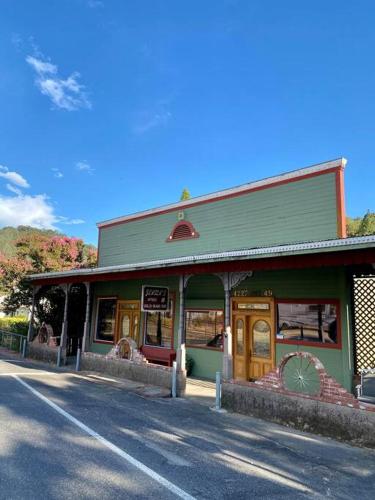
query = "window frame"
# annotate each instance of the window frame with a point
(204, 309)
(320, 345)
(98, 299)
(172, 297)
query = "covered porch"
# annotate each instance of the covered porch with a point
(214, 303)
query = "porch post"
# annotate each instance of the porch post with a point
(181, 349)
(64, 327)
(86, 328)
(227, 357)
(31, 320)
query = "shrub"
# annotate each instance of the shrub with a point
(189, 365)
(14, 324)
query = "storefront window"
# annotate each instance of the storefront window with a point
(308, 322)
(159, 327)
(204, 328)
(105, 319)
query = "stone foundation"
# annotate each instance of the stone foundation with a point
(332, 412)
(147, 373)
(42, 352)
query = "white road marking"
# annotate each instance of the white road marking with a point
(27, 374)
(115, 449)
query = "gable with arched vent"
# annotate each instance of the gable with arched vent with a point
(182, 230)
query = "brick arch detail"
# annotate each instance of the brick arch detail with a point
(330, 390)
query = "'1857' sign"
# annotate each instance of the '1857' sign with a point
(155, 298)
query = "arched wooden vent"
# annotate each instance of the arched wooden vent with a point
(183, 230)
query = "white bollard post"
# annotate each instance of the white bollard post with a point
(59, 355)
(174, 379)
(78, 360)
(24, 344)
(218, 391)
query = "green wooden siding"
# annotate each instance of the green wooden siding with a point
(206, 292)
(304, 210)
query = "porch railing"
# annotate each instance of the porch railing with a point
(12, 341)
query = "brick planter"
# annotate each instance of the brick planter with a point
(147, 373)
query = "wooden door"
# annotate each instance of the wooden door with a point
(253, 333)
(261, 346)
(239, 347)
(127, 321)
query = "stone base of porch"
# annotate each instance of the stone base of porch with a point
(354, 424)
(42, 352)
(147, 373)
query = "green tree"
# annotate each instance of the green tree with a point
(185, 195)
(361, 226)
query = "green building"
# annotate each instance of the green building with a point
(251, 273)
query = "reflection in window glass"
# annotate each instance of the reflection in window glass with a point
(308, 322)
(204, 328)
(262, 339)
(105, 320)
(159, 327)
(239, 337)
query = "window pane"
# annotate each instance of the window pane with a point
(158, 327)
(309, 322)
(262, 339)
(105, 323)
(204, 328)
(239, 337)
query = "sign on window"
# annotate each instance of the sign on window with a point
(155, 298)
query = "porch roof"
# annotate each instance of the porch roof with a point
(346, 251)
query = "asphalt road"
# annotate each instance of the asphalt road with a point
(65, 436)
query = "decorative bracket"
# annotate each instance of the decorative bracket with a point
(231, 280)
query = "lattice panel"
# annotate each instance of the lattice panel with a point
(364, 315)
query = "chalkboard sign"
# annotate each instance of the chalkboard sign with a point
(155, 298)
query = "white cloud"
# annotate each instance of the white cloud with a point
(84, 166)
(13, 177)
(67, 93)
(27, 210)
(66, 220)
(149, 120)
(57, 173)
(13, 189)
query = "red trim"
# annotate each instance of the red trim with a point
(327, 259)
(340, 201)
(323, 345)
(193, 232)
(226, 196)
(107, 342)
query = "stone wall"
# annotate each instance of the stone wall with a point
(42, 352)
(331, 412)
(147, 373)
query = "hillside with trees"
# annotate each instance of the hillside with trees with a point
(25, 250)
(361, 226)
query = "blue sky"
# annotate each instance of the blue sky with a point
(113, 106)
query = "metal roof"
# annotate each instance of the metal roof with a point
(311, 247)
(292, 175)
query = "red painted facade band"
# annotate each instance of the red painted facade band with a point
(342, 258)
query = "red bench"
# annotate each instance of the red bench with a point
(158, 355)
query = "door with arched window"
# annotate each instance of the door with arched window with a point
(253, 333)
(128, 317)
